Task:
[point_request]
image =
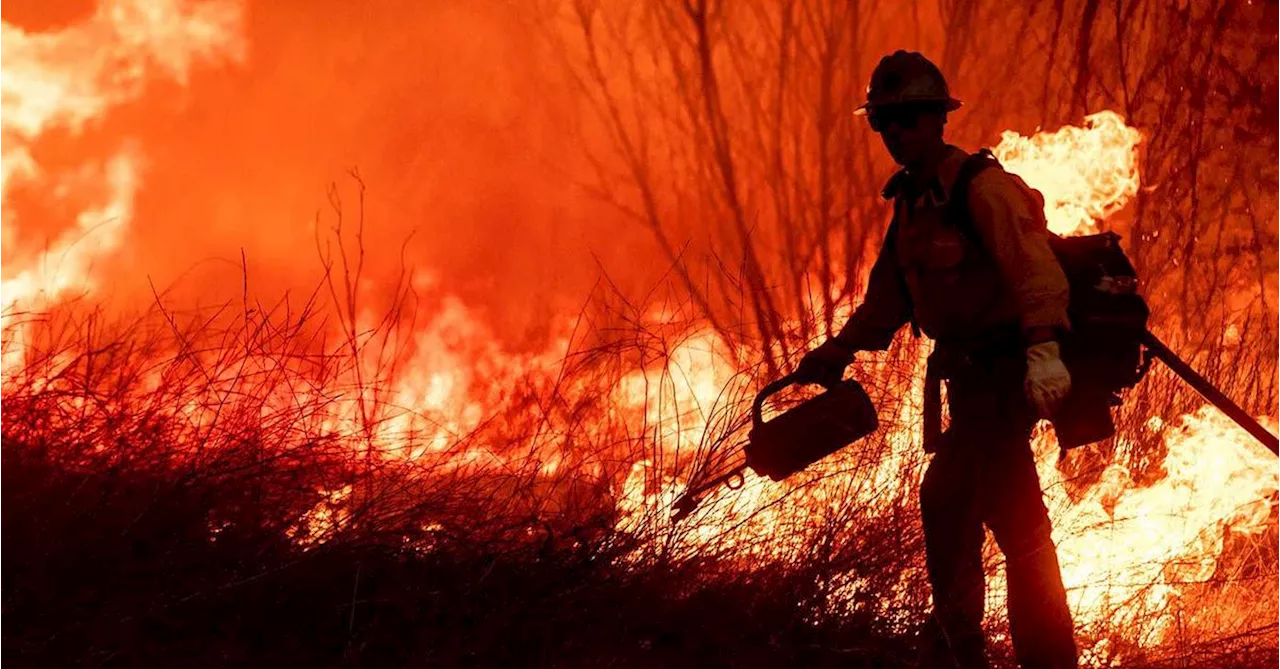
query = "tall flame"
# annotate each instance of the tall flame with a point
(1085, 173)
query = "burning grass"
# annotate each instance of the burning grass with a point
(209, 488)
(239, 485)
(324, 482)
(321, 483)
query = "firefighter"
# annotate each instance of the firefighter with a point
(995, 305)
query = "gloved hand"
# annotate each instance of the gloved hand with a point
(1048, 381)
(824, 364)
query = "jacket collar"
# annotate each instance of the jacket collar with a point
(938, 188)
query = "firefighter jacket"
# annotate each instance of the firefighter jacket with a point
(954, 287)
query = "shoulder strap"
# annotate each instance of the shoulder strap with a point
(958, 213)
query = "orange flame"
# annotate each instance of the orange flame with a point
(1086, 174)
(1128, 552)
(69, 78)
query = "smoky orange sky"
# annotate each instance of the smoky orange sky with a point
(462, 133)
(465, 128)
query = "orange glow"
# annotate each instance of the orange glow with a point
(461, 402)
(1132, 555)
(64, 81)
(1127, 551)
(1085, 173)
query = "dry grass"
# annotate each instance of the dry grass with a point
(169, 486)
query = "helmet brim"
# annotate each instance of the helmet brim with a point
(951, 105)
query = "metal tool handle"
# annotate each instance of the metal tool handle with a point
(757, 407)
(1211, 393)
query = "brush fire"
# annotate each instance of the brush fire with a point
(401, 335)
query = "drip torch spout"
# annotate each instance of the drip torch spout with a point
(688, 502)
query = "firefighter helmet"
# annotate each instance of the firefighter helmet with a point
(906, 76)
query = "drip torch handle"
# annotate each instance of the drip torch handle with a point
(1210, 392)
(757, 407)
(688, 502)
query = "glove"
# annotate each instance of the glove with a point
(1047, 379)
(824, 364)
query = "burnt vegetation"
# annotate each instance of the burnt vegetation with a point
(239, 486)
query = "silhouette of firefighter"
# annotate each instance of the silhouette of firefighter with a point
(995, 303)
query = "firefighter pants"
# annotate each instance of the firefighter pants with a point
(984, 474)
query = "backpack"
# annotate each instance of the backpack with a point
(1104, 350)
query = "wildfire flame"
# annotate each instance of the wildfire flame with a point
(1127, 551)
(1086, 174)
(68, 79)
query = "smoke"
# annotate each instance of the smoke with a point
(452, 115)
(475, 146)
